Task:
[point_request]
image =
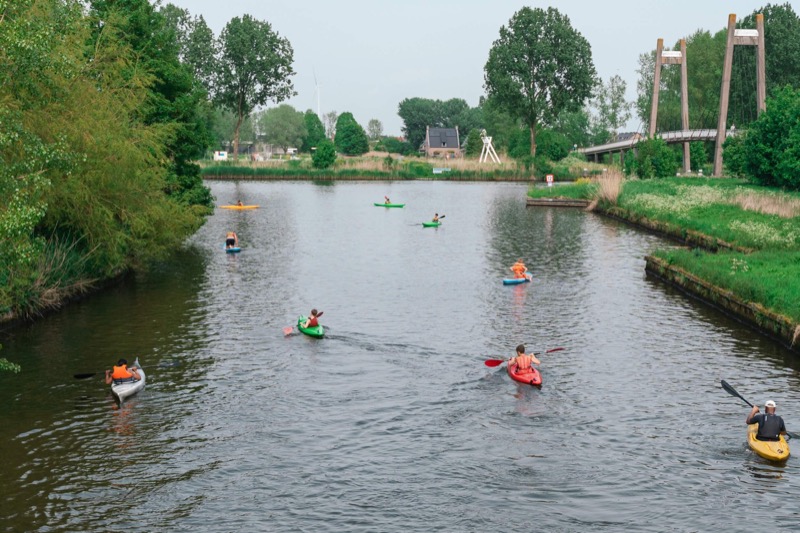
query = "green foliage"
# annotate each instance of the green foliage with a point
(539, 67)
(574, 191)
(315, 131)
(474, 143)
(254, 68)
(223, 129)
(283, 126)
(325, 155)
(772, 144)
(374, 129)
(420, 169)
(351, 139)
(8, 366)
(396, 146)
(655, 159)
(698, 155)
(629, 166)
(733, 155)
(551, 145)
(612, 108)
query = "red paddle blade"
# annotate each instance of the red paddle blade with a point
(554, 350)
(287, 330)
(494, 362)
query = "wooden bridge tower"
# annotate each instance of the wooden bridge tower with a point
(747, 38)
(672, 57)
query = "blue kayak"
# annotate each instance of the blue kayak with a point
(234, 250)
(516, 281)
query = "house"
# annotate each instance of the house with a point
(442, 142)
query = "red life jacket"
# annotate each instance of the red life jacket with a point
(313, 322)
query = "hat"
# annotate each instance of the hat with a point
(769, 403)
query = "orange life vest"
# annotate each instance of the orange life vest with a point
(121, 372)
(519, 270)
(313, 322)
(524, 362)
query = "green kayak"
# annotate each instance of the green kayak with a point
(431, 224)
(388, 205)
(316, 331)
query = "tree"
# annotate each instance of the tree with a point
(315, 131)
(283, 126)
(419, 113)
(772, 147)
(613, 111)
(576, 127)
(254, 68)
(197, 46)
(474, 143)
(655, 159)
(224, 126)
(329, 120)
(325, 155)
(539, 67)
(351, 139)
(374, 129)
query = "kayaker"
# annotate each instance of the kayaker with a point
(312, 319)
(770, 425)
(523, 360)
(386, 200)
(231, 240)
(519, 269)
(121, 373)
(435, 218)
(239, 203)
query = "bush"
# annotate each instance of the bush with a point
(325, 155)
(351, 139)
(733, 155)
(396, 146)
(550, 144)
(420, 169)
(474, 143)
(655, 159)
(771, 147)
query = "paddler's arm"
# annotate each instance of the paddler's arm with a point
(753, 413)
(108, 377)
(534, 360)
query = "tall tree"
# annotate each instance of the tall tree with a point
(315, 131)
(351, 139)
(374, 129)
(197, 46)
(419, 113)
(539, 67)
(254, 68)
(612, 108)
(283, 126)
(329, 120)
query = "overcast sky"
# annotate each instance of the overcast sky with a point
(368, 55)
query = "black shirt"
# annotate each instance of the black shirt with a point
(769, 426)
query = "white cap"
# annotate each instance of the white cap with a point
(769, 403)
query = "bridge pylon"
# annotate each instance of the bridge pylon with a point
(746, 38)
(672, 57)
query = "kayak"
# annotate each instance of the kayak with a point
(234, 250)
(516, 281)
(239, 206)
(388, 205)
(529, 378)
(315, 331)
(773, 450)
(431, 224)
(129, 388)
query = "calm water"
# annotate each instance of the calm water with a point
(392, 422)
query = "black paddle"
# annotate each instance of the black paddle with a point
(85, 375)
(730, 390)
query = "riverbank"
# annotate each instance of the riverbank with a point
(746, 242)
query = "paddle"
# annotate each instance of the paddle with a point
(85, 375)
(288, 329)
(498, 362)
(730, 390)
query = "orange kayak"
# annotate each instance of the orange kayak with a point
(239, 206)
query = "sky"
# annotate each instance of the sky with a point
(369, 55)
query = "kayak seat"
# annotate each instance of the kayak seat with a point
(125, 380)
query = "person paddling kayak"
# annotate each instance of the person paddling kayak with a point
(523, 360)
(519, 269)
(312, 321)
(435, 218)
(121, 373)
(386, 200)
(770, 425)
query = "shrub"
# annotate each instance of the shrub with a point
(733, 155)
(325, 155)
(474, 143)
(351, 139)
(655, 159)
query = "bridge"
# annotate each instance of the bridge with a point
(670, 137)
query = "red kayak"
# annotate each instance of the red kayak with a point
(529, 377)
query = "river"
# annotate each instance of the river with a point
(392, 422)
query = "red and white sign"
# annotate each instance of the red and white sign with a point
(549, 179)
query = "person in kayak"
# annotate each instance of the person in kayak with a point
(121, 373)
(386, 200)
(519, 269)
(239, 203)
(770, 425)
(312, 319)
(523, 360)
(435, 218)
(231, 240)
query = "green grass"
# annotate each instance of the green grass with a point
(573, 191)
(768, 278)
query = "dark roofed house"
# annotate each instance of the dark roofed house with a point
(442, 142)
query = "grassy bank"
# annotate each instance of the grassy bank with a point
(754, 230)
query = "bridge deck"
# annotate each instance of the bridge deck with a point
(669, 136)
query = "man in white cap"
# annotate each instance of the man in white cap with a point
(770, 425)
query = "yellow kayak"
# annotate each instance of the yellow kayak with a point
(240, 206)
(772, 450)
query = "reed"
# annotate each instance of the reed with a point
(609, 187)
(769, 204)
